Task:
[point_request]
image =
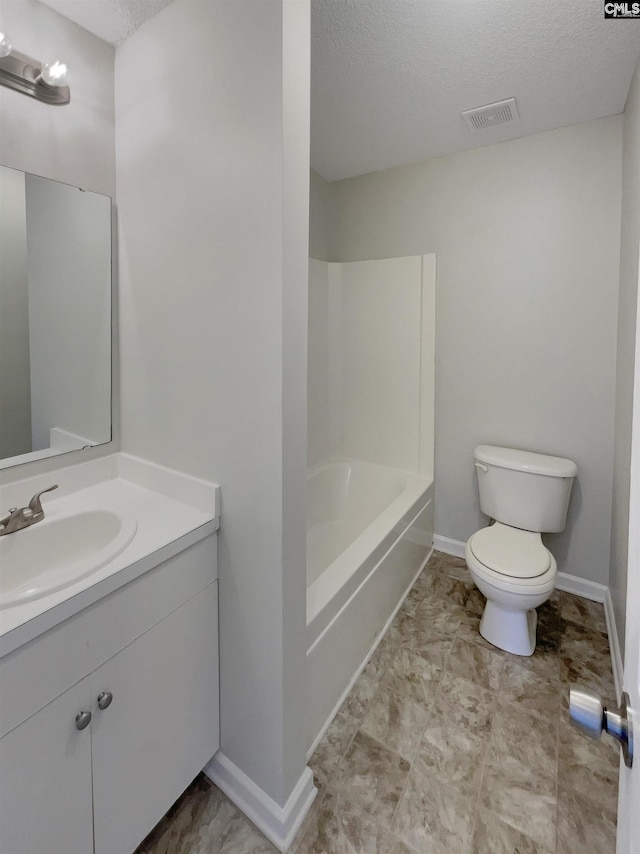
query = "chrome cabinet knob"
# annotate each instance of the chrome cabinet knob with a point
(104, 700)
(590, 716)
(83, 719)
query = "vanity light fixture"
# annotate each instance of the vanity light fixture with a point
(47, 81)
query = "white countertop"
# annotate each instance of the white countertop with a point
(172, 510)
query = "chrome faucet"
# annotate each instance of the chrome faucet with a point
(17, 519)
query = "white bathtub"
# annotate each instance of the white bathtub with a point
(369, 531)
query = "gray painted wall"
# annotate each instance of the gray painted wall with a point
(526, 235)
(629, 240)
(321, 218)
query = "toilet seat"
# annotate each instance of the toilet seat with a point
(510, 551)
(531, 585)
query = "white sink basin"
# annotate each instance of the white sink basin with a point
(66, 546)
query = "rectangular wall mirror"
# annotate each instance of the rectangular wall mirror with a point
(55, 318)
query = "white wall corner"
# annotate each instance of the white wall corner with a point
(614, 644)
(279, 824)
(448, 546)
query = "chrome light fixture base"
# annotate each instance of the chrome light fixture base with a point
(23, 74)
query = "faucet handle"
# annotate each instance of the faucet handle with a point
(34, 505)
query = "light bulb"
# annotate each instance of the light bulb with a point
(5, 45)
(55, 73)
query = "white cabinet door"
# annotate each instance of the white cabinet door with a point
(161, 726)
(45, 780)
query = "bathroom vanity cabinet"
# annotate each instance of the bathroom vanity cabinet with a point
(106, 718)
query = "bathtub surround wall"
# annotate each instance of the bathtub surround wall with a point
(214, 260)
(627, 303)
(526, 234)
(324, 362)
(74, 143)
(370, 513)
(371, 362)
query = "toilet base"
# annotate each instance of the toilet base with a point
(513, 631)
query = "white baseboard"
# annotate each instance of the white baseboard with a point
(614, 644)
(581, 587)
(279, 824)
(448, 546)
(568, 584)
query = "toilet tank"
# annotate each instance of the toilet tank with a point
(523, 489)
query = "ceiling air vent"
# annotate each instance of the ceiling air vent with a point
(491, 114)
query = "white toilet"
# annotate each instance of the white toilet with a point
(527, 495)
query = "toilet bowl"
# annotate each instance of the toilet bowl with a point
(516, 574)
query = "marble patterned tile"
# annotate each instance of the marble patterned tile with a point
(372, 777)
(426, 640)
(194, 824)
(329, 753)
(462, 593)
(383, 657)
(433, 816)
(396, 720)
(467, 705)
(528, 689)
(520, 806)
(583, 612)
(339, 827)
(418, 592)
(242, 837)
(587, 767)
(453, 753)
(455, 567)
(583, 826)
(519, 785)
(549, 627)
(473, 662)
(361, 695)
(493, 836)
(436, 617)
(475, 602)
(543, 662)
(585, 660)
(550, 612)
(413, 676)
(305, 831)
(526, 746)
(455, 740)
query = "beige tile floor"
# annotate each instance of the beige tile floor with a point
(446, 744)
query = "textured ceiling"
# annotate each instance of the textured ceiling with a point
(389, 78)
(113, 21)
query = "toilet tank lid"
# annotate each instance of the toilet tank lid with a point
(511, 458)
